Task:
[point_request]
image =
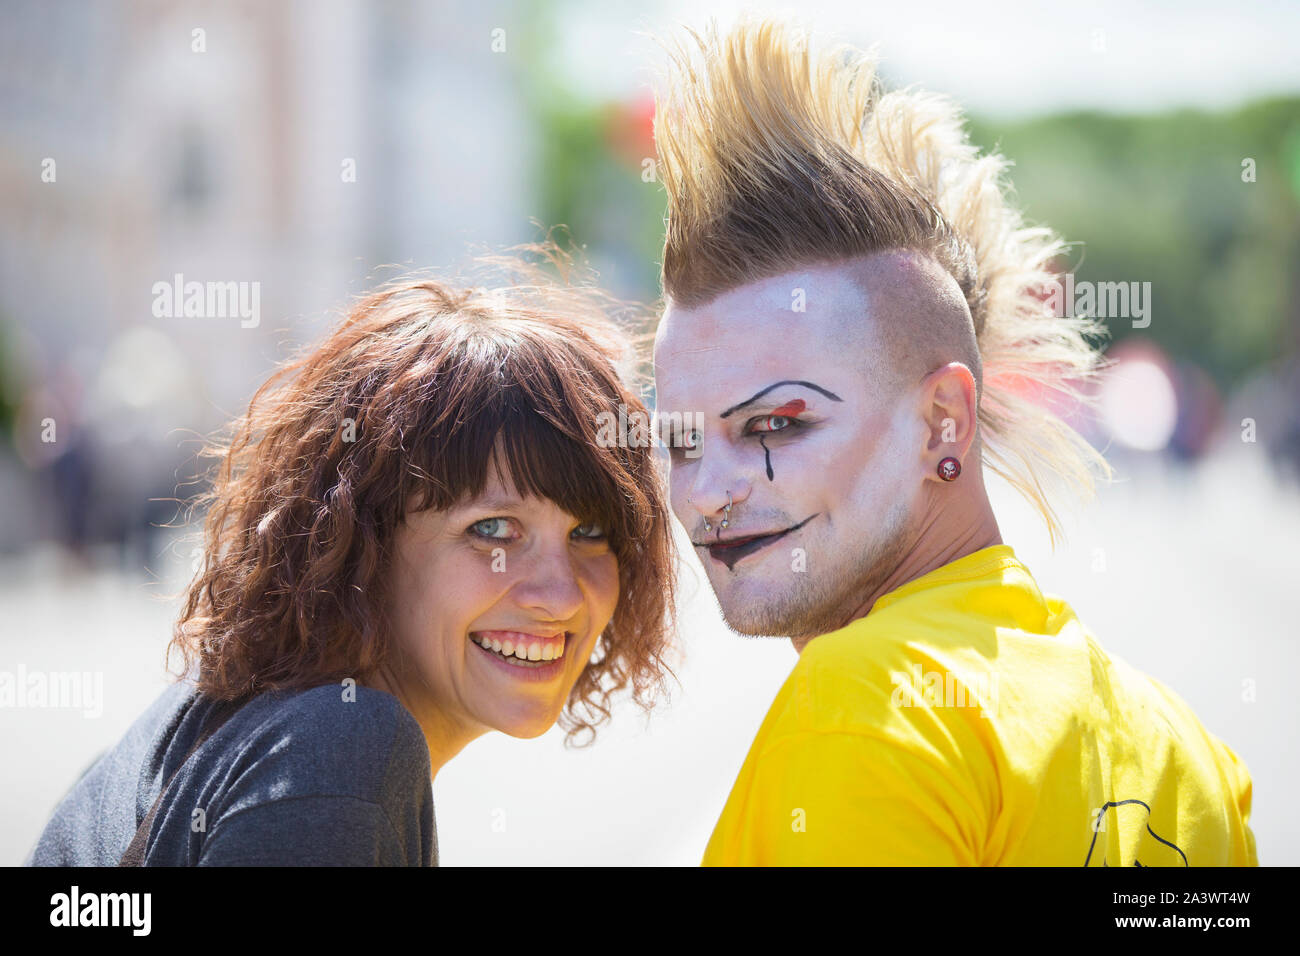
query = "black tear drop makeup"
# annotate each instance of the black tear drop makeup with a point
(788, 410)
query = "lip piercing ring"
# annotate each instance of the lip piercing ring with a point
(691, 501)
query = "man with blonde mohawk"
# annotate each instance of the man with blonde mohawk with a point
(855, 308)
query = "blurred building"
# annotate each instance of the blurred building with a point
(290, 148)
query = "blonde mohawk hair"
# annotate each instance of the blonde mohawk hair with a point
(775, 156)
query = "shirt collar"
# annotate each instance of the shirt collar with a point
(973, 565)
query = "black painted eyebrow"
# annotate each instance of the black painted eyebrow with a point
(752, 399)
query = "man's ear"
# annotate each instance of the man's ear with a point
(948, 396)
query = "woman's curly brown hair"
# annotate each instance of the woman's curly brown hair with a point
(408, 401)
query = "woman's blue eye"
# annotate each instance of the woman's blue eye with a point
(491, 528)
(591, 530)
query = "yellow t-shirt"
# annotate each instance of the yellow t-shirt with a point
(970, 720)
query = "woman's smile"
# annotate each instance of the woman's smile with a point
(527, 656)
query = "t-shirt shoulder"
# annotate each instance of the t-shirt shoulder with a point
(917, 676)
(324, 742)
(891, 671)
(314, 777)
(337, 713)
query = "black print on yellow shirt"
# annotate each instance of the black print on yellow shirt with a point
(1157, 853)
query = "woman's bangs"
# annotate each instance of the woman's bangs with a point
(582, 479)
(552, 455)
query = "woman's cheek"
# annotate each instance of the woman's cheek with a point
(455, 586)
(603, 584)
(485, 576)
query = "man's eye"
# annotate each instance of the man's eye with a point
(491, 528)
(770, 423)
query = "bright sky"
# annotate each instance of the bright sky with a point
(997, 57)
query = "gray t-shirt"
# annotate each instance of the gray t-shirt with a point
(293, 778)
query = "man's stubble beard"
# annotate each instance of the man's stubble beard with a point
(820, 600)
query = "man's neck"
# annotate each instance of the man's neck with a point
(943, 538)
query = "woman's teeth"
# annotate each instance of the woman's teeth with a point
(521, 647)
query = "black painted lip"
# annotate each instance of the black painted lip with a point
(731, 553)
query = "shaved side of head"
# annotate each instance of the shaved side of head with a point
(916, 319)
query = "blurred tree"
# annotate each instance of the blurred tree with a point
(10, 385)
(1162, 199)
(595, 173)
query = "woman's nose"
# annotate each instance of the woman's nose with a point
(551, 588)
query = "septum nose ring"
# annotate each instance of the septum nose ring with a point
(726, 518)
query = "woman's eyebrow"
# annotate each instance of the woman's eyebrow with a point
(755, 397)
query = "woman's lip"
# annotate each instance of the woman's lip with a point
(507, 643)
(532, 671)
(514, 635)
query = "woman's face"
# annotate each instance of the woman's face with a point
(497, 605)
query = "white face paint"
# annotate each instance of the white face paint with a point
(833, 516)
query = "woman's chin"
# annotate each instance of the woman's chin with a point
(524, 726)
